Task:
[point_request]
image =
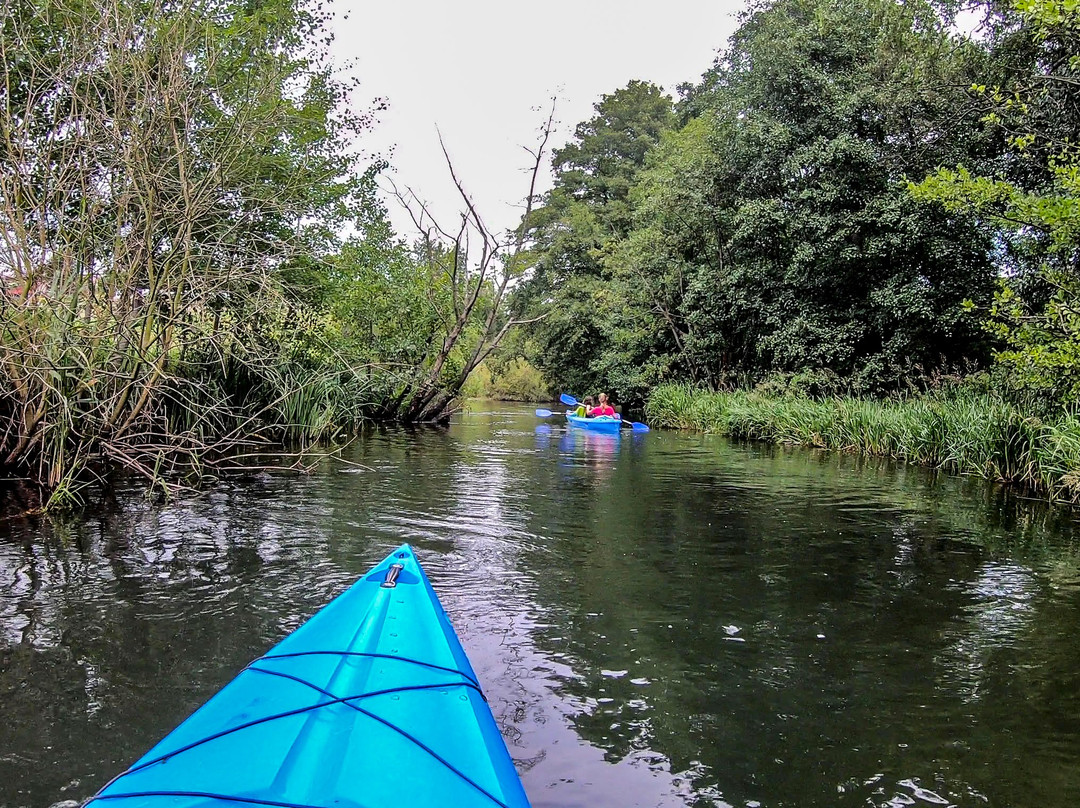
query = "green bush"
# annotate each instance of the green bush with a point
(515, 380)
(479, 383)
(809, 383)
(520, 381)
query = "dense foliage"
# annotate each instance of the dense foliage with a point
(765, 224)
(175, 288)
(1031, 197)
(582, 338)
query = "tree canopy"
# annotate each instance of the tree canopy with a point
(764, 224)
(1031, 196)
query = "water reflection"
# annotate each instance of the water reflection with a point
(657, 619)
(998, 616)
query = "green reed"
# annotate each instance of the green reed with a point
(965, 433)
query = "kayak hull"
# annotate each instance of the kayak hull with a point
(372, 702)
(603, 423)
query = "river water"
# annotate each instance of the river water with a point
(661, 619)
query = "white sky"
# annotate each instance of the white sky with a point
(485, 71)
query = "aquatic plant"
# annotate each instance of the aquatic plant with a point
(965, 433)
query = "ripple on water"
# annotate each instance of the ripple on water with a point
(599, 589)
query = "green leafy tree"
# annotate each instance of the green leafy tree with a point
(1033, 196)
(849, 273)
(574, 231)
(599, 165)
(767, 226)
(775, 232)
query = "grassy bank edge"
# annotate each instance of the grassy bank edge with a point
(963, 433)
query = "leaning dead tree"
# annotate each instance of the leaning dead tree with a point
(476, 270)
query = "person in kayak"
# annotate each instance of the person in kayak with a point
(584, 407)
(603, 408)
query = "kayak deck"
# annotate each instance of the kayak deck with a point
(370, 703)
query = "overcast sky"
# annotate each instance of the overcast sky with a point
(484, 72)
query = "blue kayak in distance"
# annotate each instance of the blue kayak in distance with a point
(370, 704)
(602, 423)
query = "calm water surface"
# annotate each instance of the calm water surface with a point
(658, 620)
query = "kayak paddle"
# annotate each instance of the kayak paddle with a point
(544, 413)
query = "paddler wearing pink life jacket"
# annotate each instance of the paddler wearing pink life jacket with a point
(603, 408)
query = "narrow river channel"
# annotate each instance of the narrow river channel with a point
(657, 619)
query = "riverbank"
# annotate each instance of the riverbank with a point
(974, 434)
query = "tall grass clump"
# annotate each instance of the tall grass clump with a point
(961, 432)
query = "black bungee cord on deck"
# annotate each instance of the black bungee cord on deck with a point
(469, 683)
